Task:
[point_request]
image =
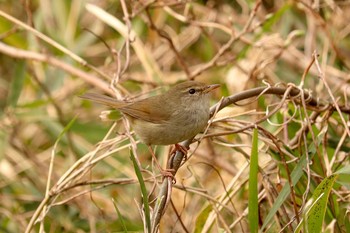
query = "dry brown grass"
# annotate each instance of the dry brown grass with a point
(64, 170)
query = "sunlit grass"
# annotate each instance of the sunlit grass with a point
(64, 169)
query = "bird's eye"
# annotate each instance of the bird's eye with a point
(192, 91)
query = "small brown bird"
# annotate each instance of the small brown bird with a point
(179, 114)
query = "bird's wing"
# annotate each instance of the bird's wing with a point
(143, 110)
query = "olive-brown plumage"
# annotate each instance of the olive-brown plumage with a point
(169, 118)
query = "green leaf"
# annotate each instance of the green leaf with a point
(275, 17)
(253, 186)
(347, 221)
(120, 216)
(295, 176)
(17, 83)
(112, 115)
(344, 170)
(344, 176)
(143, 191)
(3, 143)
(318, 210)
(201, 218)
(314, 215)
(34, 104)
(67, 127)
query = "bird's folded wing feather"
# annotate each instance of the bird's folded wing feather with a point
(143, 110)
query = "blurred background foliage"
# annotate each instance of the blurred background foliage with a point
(238, 44)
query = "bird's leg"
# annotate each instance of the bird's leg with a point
(165, 172)
(179, 147)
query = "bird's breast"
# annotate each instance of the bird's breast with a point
(182, 125)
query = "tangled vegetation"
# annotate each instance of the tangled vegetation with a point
(275, 154)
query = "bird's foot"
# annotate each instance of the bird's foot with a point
(168, 172)
(181, 148)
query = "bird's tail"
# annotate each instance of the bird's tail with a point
(103, 99)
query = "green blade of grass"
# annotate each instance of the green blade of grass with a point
(295, 176)
(143, 192)
(202, 218)
(253, 186)
(120, 216)
(275, 17)
(53, 154)
(17, 83)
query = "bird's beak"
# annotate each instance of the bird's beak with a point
(209, 88)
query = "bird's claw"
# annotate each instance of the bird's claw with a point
(179, 147)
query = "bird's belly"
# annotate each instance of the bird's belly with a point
(166, 134)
